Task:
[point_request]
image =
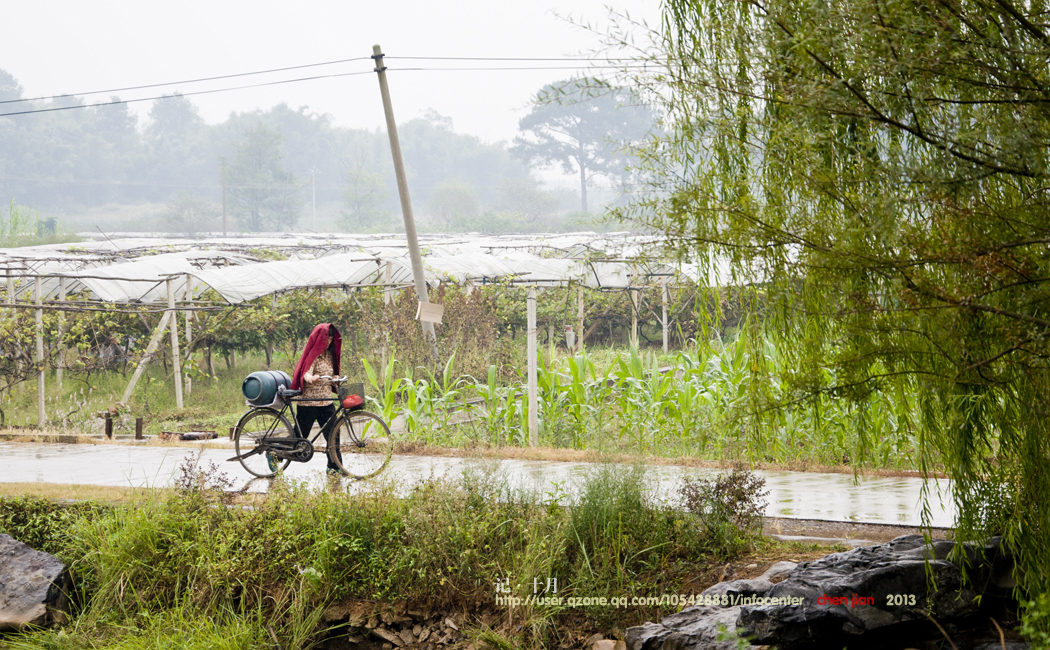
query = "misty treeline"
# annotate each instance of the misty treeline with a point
(165, 173)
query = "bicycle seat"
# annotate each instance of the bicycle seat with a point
(288, 392)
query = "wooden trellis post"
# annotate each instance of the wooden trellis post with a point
(151, 348)
(579, 318)
(61, 331)
(634, 318)
(189, 331)
(534, 422)
(269, 344)
(174, 343)
(663, 321)
(41, 416)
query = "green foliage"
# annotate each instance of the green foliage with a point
(190, 215)
(101, 166)
(454, 200)
(883, 194)
(470, 330)
(362, 200)
(156, 567)
(434, 154)
(583, 125)
(1035, 622)
(22, 227)
(616, 534)
(43, 524)
(263, 194)
(730, 508)
(17, 227)
(172, 152)
(524, 198)
(180, 627)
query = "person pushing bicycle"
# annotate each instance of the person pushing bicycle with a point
(359, 442)
(318, 363)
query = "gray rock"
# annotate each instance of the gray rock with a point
(699, 628)
(828, 589)
(830, 602)
(388, 636)
(778, 571)
(737, 589)
(34, 587)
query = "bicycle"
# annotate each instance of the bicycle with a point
(266, 443)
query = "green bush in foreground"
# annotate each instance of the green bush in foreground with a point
(188, 560)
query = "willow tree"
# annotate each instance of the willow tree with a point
(880, 169)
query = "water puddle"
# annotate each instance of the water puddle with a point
(801, 495)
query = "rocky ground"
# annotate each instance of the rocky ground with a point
(873, 569)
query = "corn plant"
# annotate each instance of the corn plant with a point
(386, 387)
(443, 394)
(581, 398)
(498, 411)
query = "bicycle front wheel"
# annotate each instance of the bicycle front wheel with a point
(254, 428)
(360, 444)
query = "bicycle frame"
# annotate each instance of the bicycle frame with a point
(339, 410)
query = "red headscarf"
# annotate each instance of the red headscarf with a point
(315, 347)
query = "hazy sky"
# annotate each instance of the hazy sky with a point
(75, 46)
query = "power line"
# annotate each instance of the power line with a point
(186, 81)
(189, 94)
(501, 58)
(501, 69)
(300, 67)
(286, 81)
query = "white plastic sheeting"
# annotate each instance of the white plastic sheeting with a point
(239, 284)
(613, 261)
(139, 280)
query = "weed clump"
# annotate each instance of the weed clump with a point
(728, 509)
(44, 524)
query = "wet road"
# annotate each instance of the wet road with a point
(801, 495)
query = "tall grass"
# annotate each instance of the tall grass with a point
(171, 563)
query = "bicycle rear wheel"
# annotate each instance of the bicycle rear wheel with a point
(360, 444)
(256, 426)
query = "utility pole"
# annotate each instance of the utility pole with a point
(406, 200)
(224, 197)
(313, 190)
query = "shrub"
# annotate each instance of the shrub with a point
(729, 508)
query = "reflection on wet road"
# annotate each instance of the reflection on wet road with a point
(802, 495)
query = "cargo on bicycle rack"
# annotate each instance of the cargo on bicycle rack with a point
(263, 388)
